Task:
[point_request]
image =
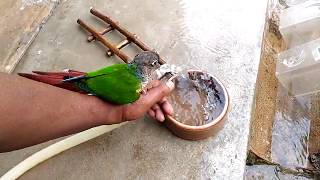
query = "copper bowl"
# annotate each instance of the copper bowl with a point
(190, 132)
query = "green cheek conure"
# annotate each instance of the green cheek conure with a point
(118, 83)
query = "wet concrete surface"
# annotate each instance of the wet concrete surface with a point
(287, 134)
(269, 172)
(221, 37)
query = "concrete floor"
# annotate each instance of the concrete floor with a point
(20, 22)
(222, 37)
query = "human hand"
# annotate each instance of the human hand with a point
(34, 112)
(153, 102)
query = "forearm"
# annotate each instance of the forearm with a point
(33, 112)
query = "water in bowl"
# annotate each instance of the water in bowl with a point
(197, 99)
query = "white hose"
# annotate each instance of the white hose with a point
(55, 149)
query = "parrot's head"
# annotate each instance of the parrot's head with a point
(147, 63)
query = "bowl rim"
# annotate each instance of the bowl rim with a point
(217, 119)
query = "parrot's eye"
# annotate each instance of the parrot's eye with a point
(154, 63)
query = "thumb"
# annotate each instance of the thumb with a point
(155, 94)
(146, 101)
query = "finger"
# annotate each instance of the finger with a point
(152, 113)
(155, 107)
(158, 112)
(167, 108)
(164, 99)
(154, 95)
(146, 101)
(160, 115)
(153, 84)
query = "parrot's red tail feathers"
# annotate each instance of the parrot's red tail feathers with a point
(69, 73)
(56, 78)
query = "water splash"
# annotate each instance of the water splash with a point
(28, 3)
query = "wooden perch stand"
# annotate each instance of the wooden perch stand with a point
(112, 25)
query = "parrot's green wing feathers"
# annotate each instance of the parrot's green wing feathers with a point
(117, 83)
